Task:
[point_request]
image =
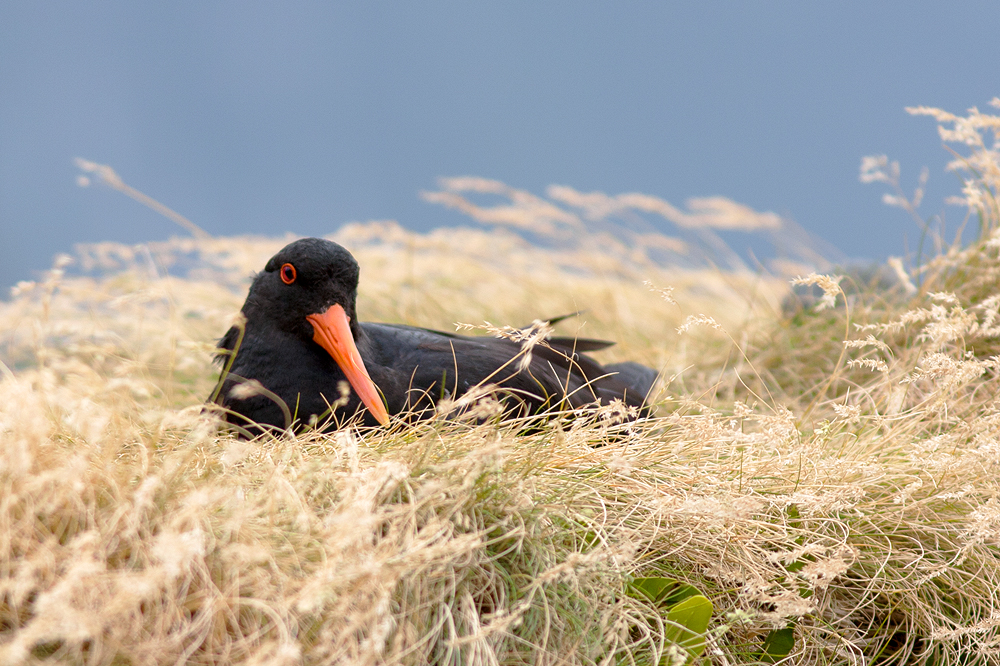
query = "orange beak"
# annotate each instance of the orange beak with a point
(332, 332)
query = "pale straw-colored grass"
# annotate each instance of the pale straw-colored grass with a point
(847, 491)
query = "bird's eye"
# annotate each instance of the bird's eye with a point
(287, 273)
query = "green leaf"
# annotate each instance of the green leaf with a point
(687, 623)
(664, 592)
(777, 645)
(680, 593)
(653, 589)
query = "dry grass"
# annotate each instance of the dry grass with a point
(848, 491)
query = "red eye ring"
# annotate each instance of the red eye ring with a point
(288, 273)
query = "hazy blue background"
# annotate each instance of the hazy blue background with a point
(266, 118)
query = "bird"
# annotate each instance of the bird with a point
(299, 357)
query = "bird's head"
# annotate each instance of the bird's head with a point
(309, 289)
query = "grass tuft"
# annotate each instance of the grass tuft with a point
(818, 483)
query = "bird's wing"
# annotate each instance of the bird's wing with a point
(444, 364)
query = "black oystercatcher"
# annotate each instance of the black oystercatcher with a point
(303, 357)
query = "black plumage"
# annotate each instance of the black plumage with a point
(302, 354)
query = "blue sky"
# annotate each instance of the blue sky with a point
(264, 118)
